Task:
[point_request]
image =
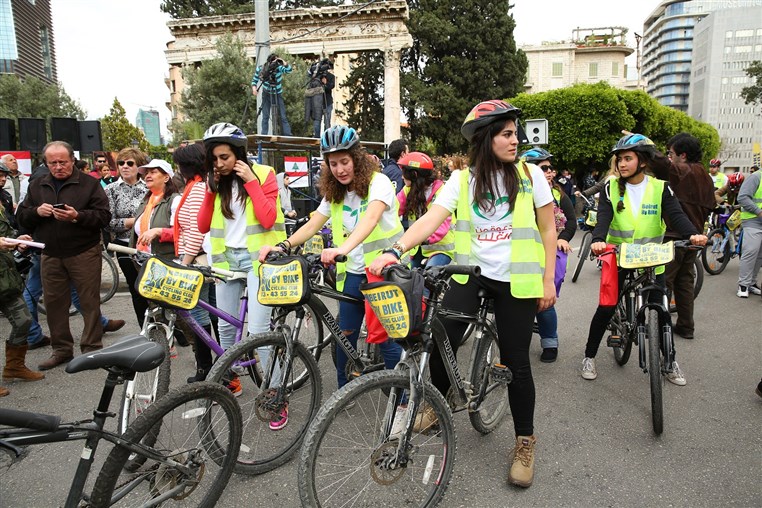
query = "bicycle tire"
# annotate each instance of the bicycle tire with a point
(200, 409)
(654, 371)
(263, 449)
(147, 388)
(109, 277)
(341, 457)
(618, 325)
(489, 414)
(584, 253)
(311, 334)
(710, 254)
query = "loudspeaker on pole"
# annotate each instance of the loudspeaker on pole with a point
(66, 129)
(90, 136)
(7, 134)
(32, 135)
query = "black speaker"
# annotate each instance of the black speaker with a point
(90, 136)
(32, 135)
(7, 134)
(66, 129)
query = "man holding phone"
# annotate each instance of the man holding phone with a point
(66, 211)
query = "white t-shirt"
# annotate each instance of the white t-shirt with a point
(635, 193)
(491, 230)
(235, 228)
(381, 189)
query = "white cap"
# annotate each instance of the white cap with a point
(161, 164)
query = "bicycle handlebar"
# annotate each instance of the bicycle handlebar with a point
(206, 270)
(461, 270)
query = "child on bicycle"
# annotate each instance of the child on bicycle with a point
(566, 226)
(642, 204)
(505, 225)
(362, 207)
(415, 198)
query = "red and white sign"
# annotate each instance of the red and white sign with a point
(297, 171)
(24, 159)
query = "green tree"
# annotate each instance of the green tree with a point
(464, 52)
(585, 121)
(185, 131)
(365, 106)
(753, 94)
(217, 91)
(119, 133)
(33, 98)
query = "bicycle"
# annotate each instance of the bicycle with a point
(724, 244)
(371, 441)
(196, 428)
(263, 450)
(586, 223)
(643, 322)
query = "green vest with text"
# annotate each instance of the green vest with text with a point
(757, 198)
(446, 245)
(257, 235)
(527, 251)
(377, 240)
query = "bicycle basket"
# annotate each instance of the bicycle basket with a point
(314, 245)
(397, 301)
(592, 218)
(169, 284)
(284, 281)
(734, 220)
(632, 256)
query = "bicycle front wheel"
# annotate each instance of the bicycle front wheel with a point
(109, 277)
(584, 253)
(654, 371)
(265, 448)
(200, 435)
(310, 333)
(716, 256)
(492, 395)
(347, 459)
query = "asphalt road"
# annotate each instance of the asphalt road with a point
(595, 442)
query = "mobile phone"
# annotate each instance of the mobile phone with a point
(59, 206)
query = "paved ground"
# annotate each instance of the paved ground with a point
(595, 443)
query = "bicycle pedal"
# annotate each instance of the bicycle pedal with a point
(614, 341)
(354, 374)
(501, 374)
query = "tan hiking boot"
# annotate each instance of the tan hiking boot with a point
(15, 367)
(4, 391)
(425, 420)
(522, 468)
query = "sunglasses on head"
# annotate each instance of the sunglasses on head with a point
(128, 163)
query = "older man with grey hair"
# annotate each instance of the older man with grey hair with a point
(16, 184)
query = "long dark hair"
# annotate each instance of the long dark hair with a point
(226, 183)
(645, 156)
(190, 160)
(420, 180)
(486, 166)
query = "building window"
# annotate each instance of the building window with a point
(728, 49)
(592, 70)
(743, 49)
(558, 69)
(6, 66)
(47, 62)
(729, 34)
(744, 33)
(615, 69)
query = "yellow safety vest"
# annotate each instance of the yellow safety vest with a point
(757, 198)
(446, 245)
(257, 235)
(527, 252)
(720, 179)
(377, 241)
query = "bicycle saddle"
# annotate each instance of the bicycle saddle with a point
(135, 353)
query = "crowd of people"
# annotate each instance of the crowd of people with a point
(511, 213)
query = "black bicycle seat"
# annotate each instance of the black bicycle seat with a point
(135, 353)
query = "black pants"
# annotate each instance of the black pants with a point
(514, 318)
(130, 272)
(680, 275)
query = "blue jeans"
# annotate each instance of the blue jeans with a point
(350, 319)
(32, 295)
(547, 322)
(266, 106)
(435, 260)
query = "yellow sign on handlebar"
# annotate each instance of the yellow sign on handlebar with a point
(314, 245)
(170, 284)
(632, 255)
(283, 282)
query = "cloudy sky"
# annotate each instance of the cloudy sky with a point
(115, 48)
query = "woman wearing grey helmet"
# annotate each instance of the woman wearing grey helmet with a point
(362, 206)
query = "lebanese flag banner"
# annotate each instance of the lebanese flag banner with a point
(297, 171)
(24, 159)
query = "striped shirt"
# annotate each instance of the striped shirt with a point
(191, 238)
(274, 85)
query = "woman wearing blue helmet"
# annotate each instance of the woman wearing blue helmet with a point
(362, 206)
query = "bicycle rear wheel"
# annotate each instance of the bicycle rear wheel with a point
(584, 253)
(200, 435)
(348, 460)
(715, 257)
(109, 277)
(654, 371)
(264, 449)
(494, 404)
(618, 326)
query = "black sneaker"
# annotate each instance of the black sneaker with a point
(549, 355)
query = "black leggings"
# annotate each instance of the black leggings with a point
(514, 318)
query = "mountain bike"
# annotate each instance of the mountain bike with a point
(372, 442)
(195, 435)
(723, 245)
(586, 224)
(645, 320)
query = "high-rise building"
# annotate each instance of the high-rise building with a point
(26, 39)
(668, 46)
(725, 43)
(148, 122)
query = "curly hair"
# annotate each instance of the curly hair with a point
(420, 181)
(333, 190)
(139, 157)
